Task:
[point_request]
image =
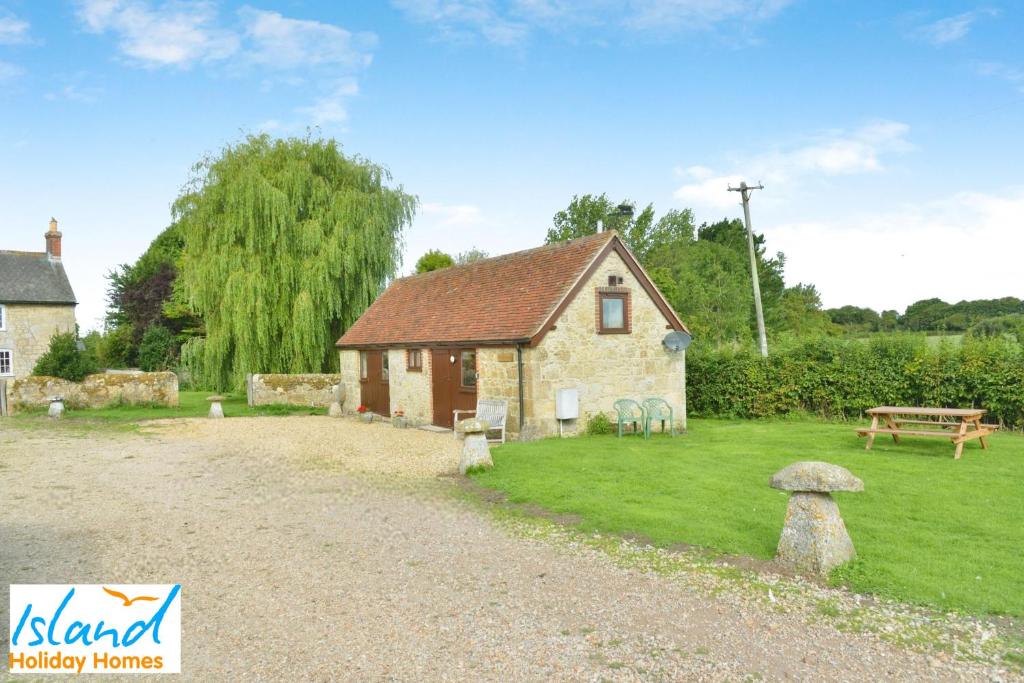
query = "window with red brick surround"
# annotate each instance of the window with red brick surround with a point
(414, 360)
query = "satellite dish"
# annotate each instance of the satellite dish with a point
(676, 341)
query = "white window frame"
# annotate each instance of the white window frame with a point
(3, 318)
(10, 356)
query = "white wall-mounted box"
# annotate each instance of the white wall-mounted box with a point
(567, 404)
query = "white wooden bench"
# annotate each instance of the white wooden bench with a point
(494, 410)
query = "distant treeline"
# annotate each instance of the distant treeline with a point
(982, 317)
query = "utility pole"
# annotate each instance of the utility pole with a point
(745, 191)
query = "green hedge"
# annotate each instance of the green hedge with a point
(836, 378)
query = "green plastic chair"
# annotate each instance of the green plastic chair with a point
(629, 411)
(656, 409)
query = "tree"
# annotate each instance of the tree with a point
(732, 233)
(856, 319)
(286, 243)
(156, 352)
(925, 314)
(471, 256)
(434, 260)
(800, 312)
(146, 293)
(708, 284)
(64, 359)
(889, 321)
(116, 348)
(640, 232)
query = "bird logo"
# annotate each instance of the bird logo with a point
(127, 601)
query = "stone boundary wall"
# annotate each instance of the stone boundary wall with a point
(295, 390)
(95, 391)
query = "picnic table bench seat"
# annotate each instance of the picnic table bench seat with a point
(959, 425)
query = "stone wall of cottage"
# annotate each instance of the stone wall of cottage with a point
(95, 391)
(498, 377)
(349, 374)
(410, 390)
(603, 367)
(27, 332)
(315, 390)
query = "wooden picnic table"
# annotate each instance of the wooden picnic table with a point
(959, 425)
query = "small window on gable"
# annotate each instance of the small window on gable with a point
(364, 366)
(3, 317)
(6, 363)
(414, 360)
(613, 312)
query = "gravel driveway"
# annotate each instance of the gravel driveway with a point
(297, 565)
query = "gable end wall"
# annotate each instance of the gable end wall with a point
(28, 329)
(603, 367)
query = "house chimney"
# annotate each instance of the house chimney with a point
(53, 241)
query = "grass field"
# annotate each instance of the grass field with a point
(190, 404)
(928, 529)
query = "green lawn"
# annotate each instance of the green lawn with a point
(928, 529)
(190, 404)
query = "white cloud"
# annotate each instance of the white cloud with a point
(464, 19)
(836, 152)
(451, 215)
(707, 190)
(844, 259)
(951, 29)
(295, 52)
(171, 34)
(1003, 72)
(12, 29)
(513, 21)
(9, 72)
(74, 93)
(283, 43)
(329, 109)
(662, 15)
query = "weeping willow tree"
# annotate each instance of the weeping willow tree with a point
(286, 244)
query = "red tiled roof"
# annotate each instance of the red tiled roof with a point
(503, 299)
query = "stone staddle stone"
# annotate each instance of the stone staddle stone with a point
(56, 408)
(335, 409)
(814, 538)
(820, 477)
(339, 394)
(475, 451)
(216, 409)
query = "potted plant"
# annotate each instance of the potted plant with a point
(365, 414)
(398, 419)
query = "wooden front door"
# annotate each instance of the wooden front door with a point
(453, 376)
(373, 382)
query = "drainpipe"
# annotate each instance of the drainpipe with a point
(519, 363)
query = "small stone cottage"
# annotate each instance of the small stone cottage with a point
(36, 302)
(579, 315)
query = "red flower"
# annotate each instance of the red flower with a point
(361, 409)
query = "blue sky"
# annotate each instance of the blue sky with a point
(889, 138)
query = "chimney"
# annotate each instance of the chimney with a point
(53, 241)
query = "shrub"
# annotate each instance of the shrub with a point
(116, 348)
(64, 359)
(157, 349)
(600, 424)
(841, 378)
